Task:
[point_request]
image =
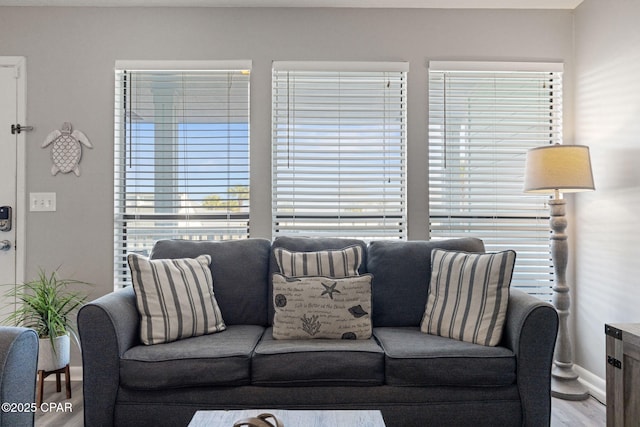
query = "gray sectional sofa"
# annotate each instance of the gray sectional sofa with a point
(415, 379)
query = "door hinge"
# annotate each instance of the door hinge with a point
(614, 362)
(16, 129)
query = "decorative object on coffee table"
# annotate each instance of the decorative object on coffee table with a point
(556, 169)
(262, 420)
(291, 418)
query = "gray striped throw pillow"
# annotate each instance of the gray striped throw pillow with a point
(468, 295)
(175, 298)
(336, 263)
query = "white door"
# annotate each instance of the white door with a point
(12, 97)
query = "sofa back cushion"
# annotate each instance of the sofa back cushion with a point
(310, 244)
(239, 269)
(401, 275)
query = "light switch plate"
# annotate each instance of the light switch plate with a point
(42, 202)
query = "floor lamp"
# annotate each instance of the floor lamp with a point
(559, 169)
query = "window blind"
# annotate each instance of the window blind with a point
(181, 155)
(482, 120)
(339, 149)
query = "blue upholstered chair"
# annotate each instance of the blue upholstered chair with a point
(18, 367)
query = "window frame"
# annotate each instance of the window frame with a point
(192, 128)
(506, 225)
(337, 84)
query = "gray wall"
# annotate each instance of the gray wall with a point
(70, 60)
(607, 109)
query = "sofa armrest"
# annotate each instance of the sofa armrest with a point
(108, 327)
(530, 332)
(18, 369)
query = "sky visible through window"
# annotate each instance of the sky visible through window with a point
(204, 160)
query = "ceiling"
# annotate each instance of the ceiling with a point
(423, 4)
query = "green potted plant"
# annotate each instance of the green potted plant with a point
(48, 306)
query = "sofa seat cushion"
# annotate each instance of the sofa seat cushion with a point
(413, 358)
(320, 362)
(219, 359)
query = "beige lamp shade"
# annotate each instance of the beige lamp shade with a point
(564, 168)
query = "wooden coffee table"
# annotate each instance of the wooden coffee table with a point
(291, 418)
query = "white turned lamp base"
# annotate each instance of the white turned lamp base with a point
(565, 384)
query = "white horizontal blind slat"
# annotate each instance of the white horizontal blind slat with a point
(340, 66)
(339, 150)
(481, 124)
(164, 66)
(181, 156)
(493, 67)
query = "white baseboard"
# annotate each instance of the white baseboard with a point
(597, 386)
(76, 373)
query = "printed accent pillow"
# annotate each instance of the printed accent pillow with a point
(322, 307)
(468, 295)
(329, 263)
(175, 298)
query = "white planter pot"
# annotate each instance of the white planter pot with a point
(48, 360)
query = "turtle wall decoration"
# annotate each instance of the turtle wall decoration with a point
(67, 149)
